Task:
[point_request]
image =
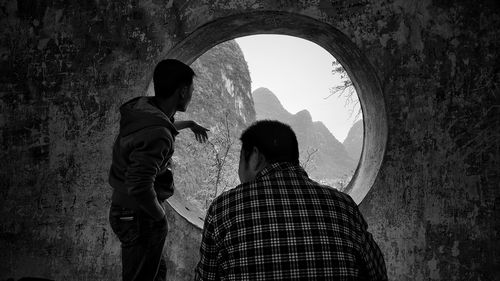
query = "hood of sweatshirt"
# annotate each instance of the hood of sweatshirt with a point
(140, 113)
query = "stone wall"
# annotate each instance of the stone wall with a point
(66, 67)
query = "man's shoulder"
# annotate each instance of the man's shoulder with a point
(267, 187)
(335, 194)
(232, 199)
(230, 195)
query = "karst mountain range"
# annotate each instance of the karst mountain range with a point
(224, 102)
(324, 156)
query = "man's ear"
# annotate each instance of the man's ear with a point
(182, 92)
(259, 160)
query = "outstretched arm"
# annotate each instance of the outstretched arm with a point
(199, 132)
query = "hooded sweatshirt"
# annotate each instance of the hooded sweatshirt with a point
(140, 173)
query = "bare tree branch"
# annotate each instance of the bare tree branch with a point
(308, 159)
(346, 91)
(221, 146)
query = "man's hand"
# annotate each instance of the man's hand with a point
(199, 132)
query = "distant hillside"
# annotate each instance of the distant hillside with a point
(223, 103)
(268, 106)
(323, 156)
(222, 86)
(353, 143)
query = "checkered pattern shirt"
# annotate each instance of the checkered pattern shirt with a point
(284, 226)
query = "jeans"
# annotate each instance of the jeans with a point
(142, 241)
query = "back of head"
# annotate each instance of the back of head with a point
(170, 75)
(274, 139)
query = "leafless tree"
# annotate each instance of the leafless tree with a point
(308, 159)
(221, 149)
(346, 90)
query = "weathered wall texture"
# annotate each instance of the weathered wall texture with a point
(65, 67)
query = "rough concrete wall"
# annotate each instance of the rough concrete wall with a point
(65, 68)
(434, 208)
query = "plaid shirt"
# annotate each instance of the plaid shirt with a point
(284, 226)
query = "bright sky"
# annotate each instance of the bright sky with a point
(299, 73)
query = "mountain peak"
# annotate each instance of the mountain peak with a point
(262, 90)
(354, 141)
(304, 115)
(265, 95)
(269, 105)
(331, 161)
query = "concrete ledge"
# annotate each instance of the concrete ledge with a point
(182, 246)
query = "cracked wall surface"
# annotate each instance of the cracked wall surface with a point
(66, 67)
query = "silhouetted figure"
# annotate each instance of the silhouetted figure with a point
(140, 173)
(278, 224)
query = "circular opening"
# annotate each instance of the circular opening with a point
(356, 65)
(253, 78)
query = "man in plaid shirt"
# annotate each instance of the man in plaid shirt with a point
(278, 224)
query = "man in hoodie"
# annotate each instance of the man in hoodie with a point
(140, 173)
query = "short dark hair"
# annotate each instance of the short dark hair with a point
(170, 75)
(274, 139)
